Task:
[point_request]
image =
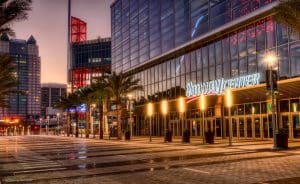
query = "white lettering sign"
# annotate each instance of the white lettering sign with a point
(218, 86)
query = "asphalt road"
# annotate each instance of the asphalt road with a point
(54, 159)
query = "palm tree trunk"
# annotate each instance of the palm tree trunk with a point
(101, 119)
(87, 121)
(68, 123)
(77, 124)
(119, 120)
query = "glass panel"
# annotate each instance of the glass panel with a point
(249, 127)
(284, 106)
(265, 127)
(283, 61)
(234, 127)
(295, 58)
(257, 127)
(295, 105)
(282, 34)
(260, 35)
(296, 126)
(270, 30)
(242, 127)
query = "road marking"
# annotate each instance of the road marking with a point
(38, 170)
(195, 170)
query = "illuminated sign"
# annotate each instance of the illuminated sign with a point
(218, 86)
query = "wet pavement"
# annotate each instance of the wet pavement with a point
(55, 159)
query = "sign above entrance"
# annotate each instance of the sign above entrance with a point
(217, 87)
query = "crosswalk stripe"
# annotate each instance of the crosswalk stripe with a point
(38, 170)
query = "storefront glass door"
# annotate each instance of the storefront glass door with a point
(257, 127)
(296, 125)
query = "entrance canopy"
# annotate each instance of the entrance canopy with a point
(289, 88)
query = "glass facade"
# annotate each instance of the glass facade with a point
(235, 54)
(238, 51)
(24, 106)
(143, 29)
(90, 59)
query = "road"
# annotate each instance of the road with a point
(55, 159)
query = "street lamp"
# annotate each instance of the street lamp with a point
(40, 126)
(57, 116)
(129, 96)
(271, 83)
(181, 109)
(150, 113)
(164, 111)
(47, 126)
(203, 108)
(228, 104)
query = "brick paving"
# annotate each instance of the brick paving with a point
(54, 159)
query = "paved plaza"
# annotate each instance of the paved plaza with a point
(58, 159)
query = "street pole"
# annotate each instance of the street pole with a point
(150, 129)
(40, 126)
(203, 128)
(130, 121)
(273, 108)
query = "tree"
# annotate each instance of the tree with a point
(85, 98)
(8, 79)
(118, 86)
(288, 13)
(12, 11)
(100, 97)
(71, 101)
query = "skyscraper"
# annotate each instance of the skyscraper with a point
(26, 106)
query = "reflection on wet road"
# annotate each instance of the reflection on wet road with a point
(53, 159)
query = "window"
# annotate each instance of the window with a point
(295, 58)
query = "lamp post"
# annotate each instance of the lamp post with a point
(40, 126)
(150, 113)
(228, 104)
(181, 109)
(47, 126)
(130, 121)
(164, 111)
(203, 108)
(57, 116)
(271, 82)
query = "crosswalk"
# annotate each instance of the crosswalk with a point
(31, 162)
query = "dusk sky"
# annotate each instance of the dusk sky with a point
(47, 22)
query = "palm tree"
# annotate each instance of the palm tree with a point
(71, 101)
(100, 97)
(12, 11)
(288, 13)
(85, 98)
(118, 86)
(8, 79)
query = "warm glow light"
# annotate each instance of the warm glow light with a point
(164, 107)
(295, 107)
(270, 58)
(181, 105)
(202, 103)
(253, 109)
(150, 109)
(129, 96)
(228, 98)
(16, 120)
(7, 120)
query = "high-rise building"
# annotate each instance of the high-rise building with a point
(88, 58)
(190, 48)
(26, 106)
(51, 93)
